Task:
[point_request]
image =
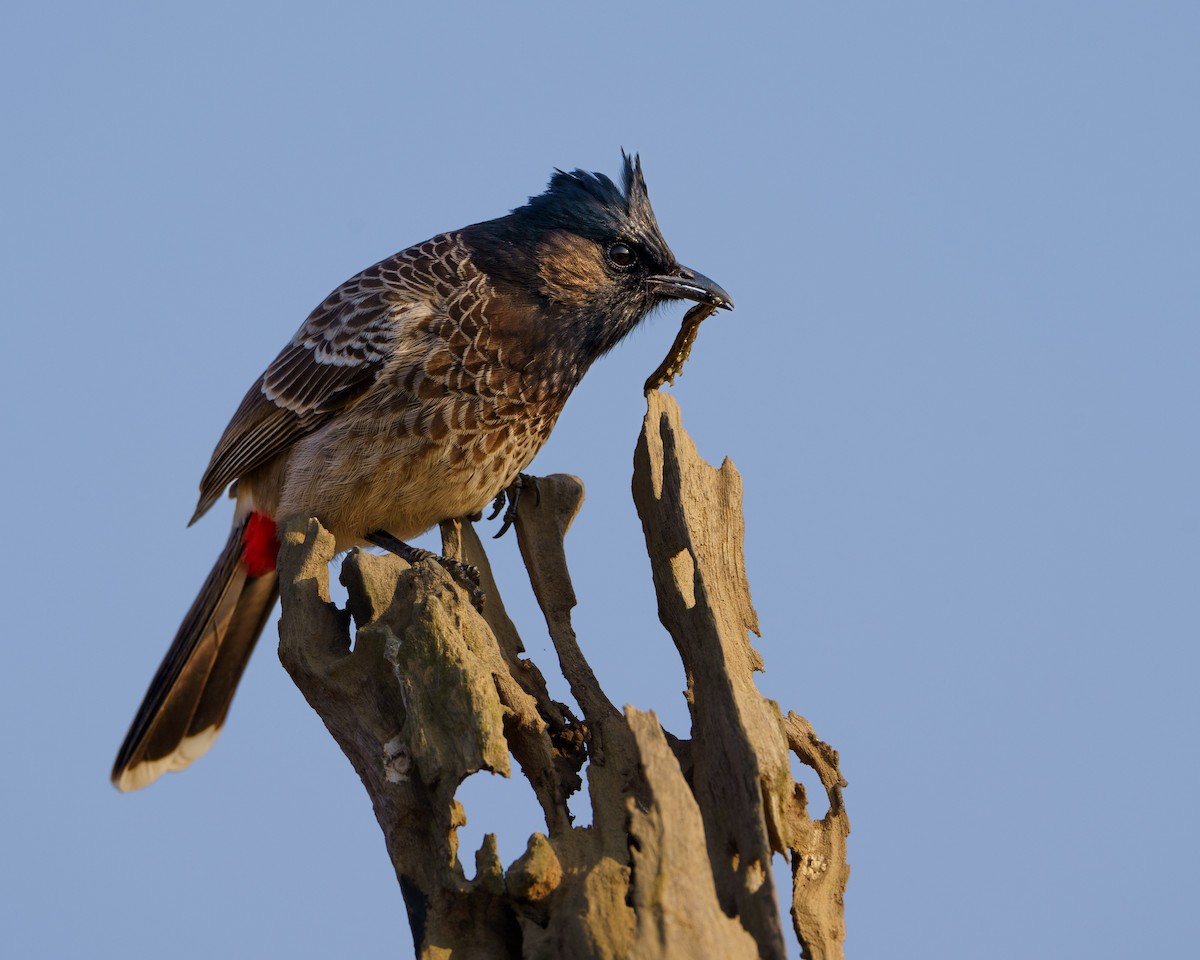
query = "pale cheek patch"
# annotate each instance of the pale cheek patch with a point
(571, 269)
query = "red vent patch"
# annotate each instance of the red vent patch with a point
(260, 545)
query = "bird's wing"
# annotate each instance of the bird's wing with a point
(331, 362)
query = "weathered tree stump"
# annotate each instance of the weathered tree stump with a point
(677, 861)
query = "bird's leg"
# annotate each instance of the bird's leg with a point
(464, 574)
(513, 495)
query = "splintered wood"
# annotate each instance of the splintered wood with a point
(677, 861)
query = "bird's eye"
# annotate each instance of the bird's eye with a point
(621, 255)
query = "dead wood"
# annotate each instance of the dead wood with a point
(677, 861)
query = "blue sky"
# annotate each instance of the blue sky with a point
(960, 385)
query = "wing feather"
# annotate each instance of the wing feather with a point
(333, 360)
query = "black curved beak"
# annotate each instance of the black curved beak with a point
(685, 284)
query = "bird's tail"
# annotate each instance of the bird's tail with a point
(185, 707)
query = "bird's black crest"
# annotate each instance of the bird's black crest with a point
(591, 204)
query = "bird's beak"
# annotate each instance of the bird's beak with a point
(685, 284)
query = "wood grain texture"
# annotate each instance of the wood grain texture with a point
(677, 861)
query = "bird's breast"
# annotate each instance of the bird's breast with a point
(367, 471)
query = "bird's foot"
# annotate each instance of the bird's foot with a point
(466, 575)
(512, 496)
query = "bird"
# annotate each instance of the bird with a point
(416, 392)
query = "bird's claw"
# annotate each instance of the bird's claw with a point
(466, 575)
(512, 494)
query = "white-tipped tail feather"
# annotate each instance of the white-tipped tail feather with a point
(145, 773)
(189, 697)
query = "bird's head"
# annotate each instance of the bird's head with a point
(593, 252)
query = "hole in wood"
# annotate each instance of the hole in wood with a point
(818, 799)
(580, 803)
(502, 806)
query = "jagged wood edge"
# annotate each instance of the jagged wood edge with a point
(433, 693)
(694, 528)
